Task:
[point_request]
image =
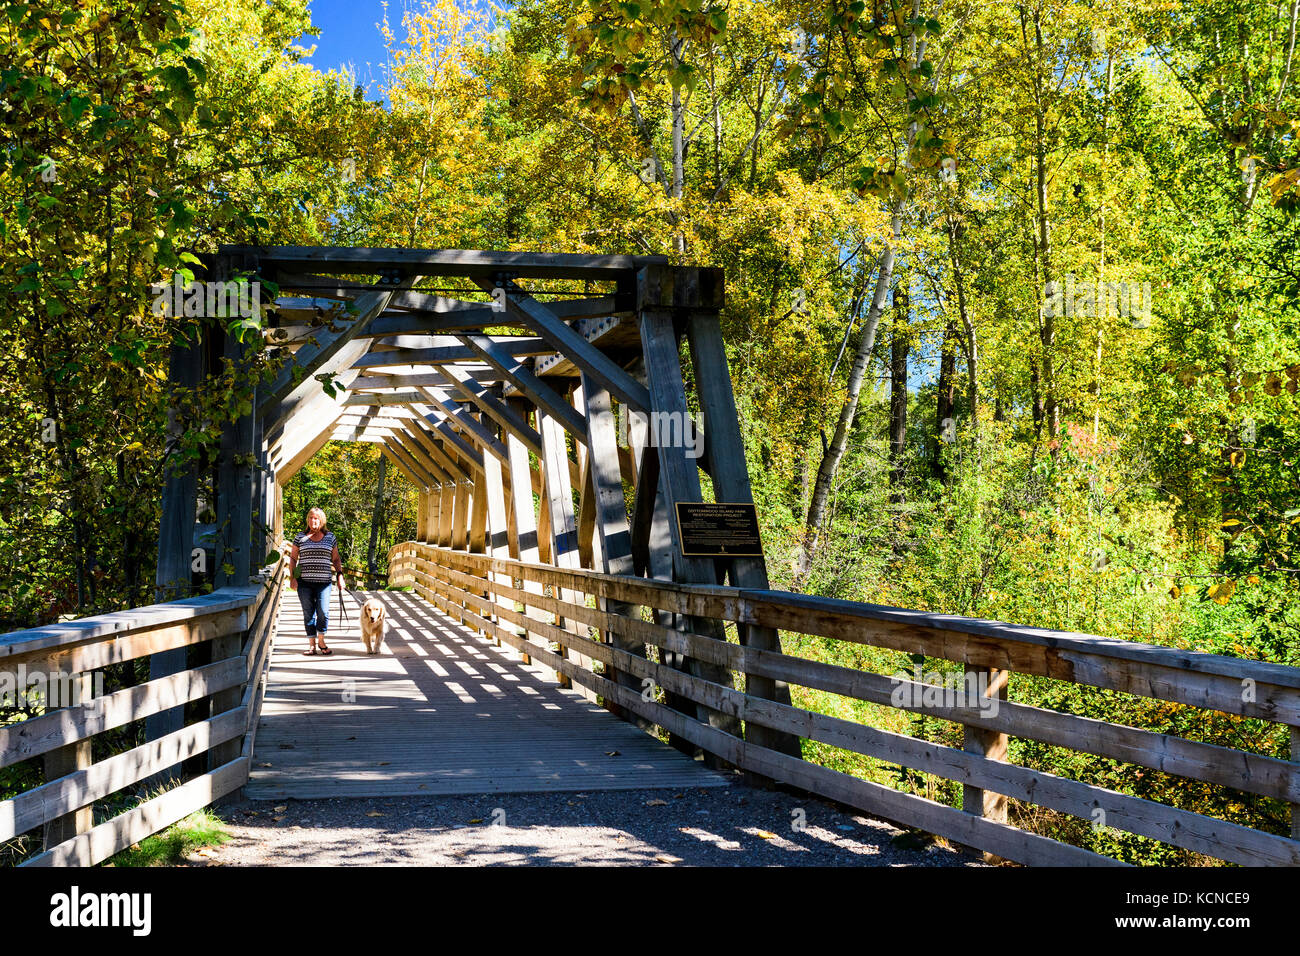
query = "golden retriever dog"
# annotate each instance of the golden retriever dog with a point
(374, 621)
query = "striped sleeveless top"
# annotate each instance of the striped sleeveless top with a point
(315, 558)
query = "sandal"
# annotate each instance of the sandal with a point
(323, 651)
(310, 652)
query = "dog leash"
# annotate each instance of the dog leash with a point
(343, 612)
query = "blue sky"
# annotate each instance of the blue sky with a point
(349, 35)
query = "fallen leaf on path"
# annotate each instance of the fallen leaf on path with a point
(264, 765)
(280, 809)
(477, 820)
(383, 763)
(656, 803)
(664, 858)
(611, 753)
(374, 813)
(277, 819)
(764, 835)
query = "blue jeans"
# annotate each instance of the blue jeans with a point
(314, 596)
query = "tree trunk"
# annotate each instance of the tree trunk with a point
(1043, 250)
(972, 344)
(945, 411)
(1036, 395)
(679, 122)
(835, 451)
(900, 344)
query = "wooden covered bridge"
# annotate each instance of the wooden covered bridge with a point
(538, 402)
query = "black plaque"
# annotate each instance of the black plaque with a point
(718, 530)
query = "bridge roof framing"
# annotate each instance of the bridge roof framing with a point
(442, 356)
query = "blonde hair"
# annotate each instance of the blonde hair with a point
(315, 511)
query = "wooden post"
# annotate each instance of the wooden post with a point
(421, 513)
(609, 510)
(1295, 807)
(678, 475)
(260, 503)
(65, 760)
(726, 456)
(279, 512)
(521, 483)
(652, 548)
(987, 743)
(235, 526)
(478, 518)
(460, 517)
(446, 509)
(498, 543)
(176, 531)
(557, 501)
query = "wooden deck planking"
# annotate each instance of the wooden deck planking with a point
(440, 711)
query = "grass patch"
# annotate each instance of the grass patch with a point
(169, 848)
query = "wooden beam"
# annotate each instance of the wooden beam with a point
(420, 457)
(446, 262)
(595, 363)
(537, 391)
(451, 465)
(451, 461)
(466, 422)
(679, 476)
(412, 468)
(468, 453)
(424, 462)
(286, 470)
(446, 510)
(442, 355)
(377, 399)
(476, 315)
(507, 417)
(302, 427)
(726, 453)
(330, 354)
(609, 509)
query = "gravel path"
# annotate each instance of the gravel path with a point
(721, 826)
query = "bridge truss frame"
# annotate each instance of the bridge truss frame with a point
(503, 384)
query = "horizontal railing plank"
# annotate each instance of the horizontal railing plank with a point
(39, 735)
(40, 804)
(54, 636)
(1210, 763)
(460, 584)
(1203, 680)
(1202, 834)
(1006, 841)
(113, 836)
(100, 652)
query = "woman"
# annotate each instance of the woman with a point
(320, 563)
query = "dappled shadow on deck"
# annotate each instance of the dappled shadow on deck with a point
(441, 710)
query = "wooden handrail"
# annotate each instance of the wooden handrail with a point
(474, 588)
(239, 619)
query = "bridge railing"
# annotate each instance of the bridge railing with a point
(223, 699)
(546, 613)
